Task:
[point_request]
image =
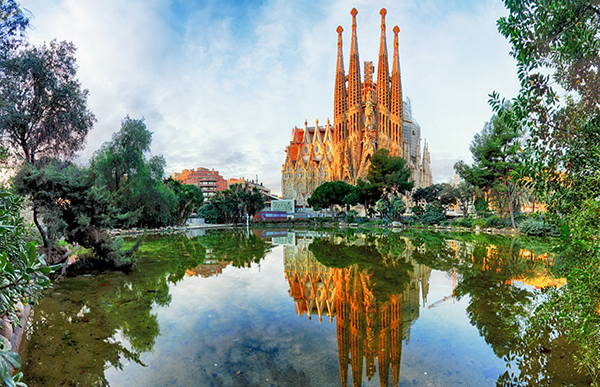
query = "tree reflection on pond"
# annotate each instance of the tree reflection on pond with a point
(375, 287)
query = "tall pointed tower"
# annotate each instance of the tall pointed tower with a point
(383, 90)
(368, 114)
(340, 111)
(397, 109)
(351, 157)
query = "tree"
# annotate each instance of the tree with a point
(389, 173)
(332, 193)
(136, 183)
(43, 110)
(464, 196)
(13, 24)
(392, 209)
(123, 156)
(428, 194)
(236, 203)
(434, 213)
(449, 195)
(368, 193)
(189, 199)
(443, 193)
(72, 208)
(556, 43)
(495, 157)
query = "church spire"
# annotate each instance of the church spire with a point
(397, 110)
(354, 79)
(339, 104)
(383, 72)
(396, 82)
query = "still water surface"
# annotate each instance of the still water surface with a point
(304, 308)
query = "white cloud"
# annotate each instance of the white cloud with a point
(221, 84)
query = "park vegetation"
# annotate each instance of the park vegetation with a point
(557, 48)
(386, 186)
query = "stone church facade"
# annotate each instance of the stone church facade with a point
(368, 115)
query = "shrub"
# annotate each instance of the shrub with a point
(23, 274)
(537, 228)
(460, 222)
(434, 213)
(351, 216)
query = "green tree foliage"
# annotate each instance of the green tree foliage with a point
(234, 204)
(236, 247)
(332, 193)
(382, 258)
(121, 304)
(397, 208)
(368, 193)
(434, 213)
(391, 174)
(481, 205)
(427, 194)
(436, 197)
(22, 274)
(189, 199)
(392, 209)
(135, 182)
(465, 193)
(73, 208)
(124, 156)
(43, 110)
(495, 157)
(210, 213)
(443, 193)
(556, 44)
(13, 24)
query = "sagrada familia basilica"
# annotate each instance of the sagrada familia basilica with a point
(367, 116)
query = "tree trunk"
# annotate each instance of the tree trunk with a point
(510, 206)
(40, 228)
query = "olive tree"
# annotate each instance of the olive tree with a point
(43, 109)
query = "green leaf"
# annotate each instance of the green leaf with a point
(4, 371)
(9, 381)
(12, 358)
(9, 268)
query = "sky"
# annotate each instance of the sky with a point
(221, 83)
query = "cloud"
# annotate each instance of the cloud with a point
(221, 84)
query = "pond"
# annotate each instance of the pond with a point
(305, 308)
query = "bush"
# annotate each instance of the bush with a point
(22, 270)
(482, 223)
(537, 228)
(434, 213)
(351, 216)
(466, 222)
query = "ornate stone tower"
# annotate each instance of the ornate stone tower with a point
(367, 116)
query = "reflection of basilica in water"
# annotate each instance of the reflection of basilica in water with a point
(367, 328)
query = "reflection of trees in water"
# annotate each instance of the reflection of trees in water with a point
(352, 267)
(488, 267)
(75, 329)
(235, 246)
